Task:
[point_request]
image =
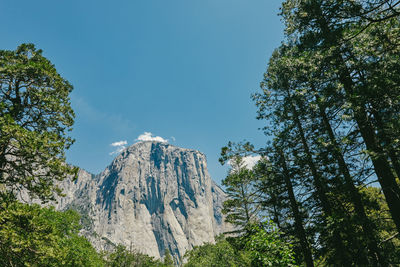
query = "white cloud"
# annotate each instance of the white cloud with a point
(120, 146)
(147, 136)
(248, 161)
(119, 143)
(173, 139)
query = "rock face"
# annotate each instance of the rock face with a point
(153, 197)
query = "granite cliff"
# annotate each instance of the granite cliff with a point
(153, 196)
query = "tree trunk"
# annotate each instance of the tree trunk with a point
(342, 259)
(394, 159)
(382, 167)
(298, 220)
(368, 229)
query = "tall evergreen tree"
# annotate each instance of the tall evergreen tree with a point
(241, 207)
(315, 25)
(331, 100)
(35, 118)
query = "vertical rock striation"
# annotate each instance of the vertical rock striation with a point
(154, 196)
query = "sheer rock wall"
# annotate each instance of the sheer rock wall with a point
(153, 196)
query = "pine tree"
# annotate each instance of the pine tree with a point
(314, 24)
(241, 207)
(168, 261)
(35, 118)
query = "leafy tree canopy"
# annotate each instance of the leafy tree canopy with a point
(35, 236)
(122, 257)
(220, 254)
(262, 245)
(35, 117)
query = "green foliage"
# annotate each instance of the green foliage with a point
(262, 245)
(35, 236)
(266, 247)
(331, 102)
(377, 209)
(240, 209)
(122, 257)
(35, 117)
(214, 255)
(168, 261)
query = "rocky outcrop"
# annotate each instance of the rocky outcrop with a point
(153, 197)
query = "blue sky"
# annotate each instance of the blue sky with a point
(183, 70)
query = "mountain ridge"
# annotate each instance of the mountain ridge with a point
(152, 197)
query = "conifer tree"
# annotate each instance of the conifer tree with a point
(315, 25)
(241, 206)
(35, 118)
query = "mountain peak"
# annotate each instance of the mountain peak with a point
(157, 145)
(154, 196)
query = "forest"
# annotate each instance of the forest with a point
(326, 191)
(329, 177)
